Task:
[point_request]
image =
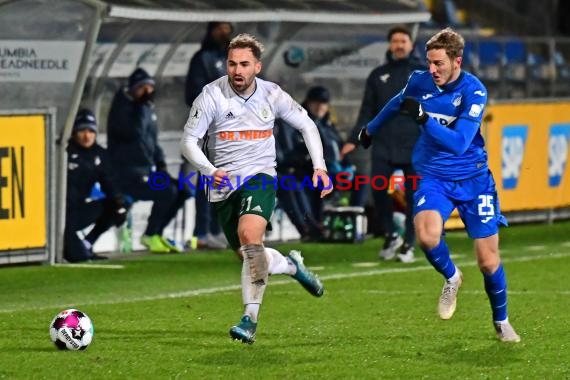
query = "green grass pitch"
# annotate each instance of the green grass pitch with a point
(167, 316)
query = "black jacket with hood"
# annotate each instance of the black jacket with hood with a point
(132, 138)
(393, 142)
(207, 65)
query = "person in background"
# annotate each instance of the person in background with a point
(207, 65)
(132, 139)
(393, 144)
(87, 165)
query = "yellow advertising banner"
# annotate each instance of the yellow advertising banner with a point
(528, 154)
(528, 146)
(22, 182)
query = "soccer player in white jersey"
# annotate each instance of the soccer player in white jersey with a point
(238, 111)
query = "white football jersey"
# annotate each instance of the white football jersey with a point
(240, 131)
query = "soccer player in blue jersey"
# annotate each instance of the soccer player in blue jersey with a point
(450, 156)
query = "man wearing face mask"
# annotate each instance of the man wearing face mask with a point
(88, 164)
(135, 154)
(391, 147)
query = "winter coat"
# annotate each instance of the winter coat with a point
(395, 140)
(85, 167)
(132, 138)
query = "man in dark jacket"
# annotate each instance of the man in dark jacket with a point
(304, 207)
(88, 164)
(132, 139)
(392, 145)
(207, 65)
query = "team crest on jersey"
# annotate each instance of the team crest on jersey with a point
(456, 99)
(265, 113)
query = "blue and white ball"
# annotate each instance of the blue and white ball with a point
(72, 330)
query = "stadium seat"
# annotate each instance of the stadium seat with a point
(514, 69)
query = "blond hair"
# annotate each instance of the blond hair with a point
(247, 41)
(449, 40)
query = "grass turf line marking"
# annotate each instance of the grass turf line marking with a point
(229, 288)
(90, 266)
(470, 292)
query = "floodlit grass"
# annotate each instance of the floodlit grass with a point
(167, 316)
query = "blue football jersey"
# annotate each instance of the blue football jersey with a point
(450, 146)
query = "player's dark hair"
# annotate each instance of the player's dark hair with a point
(449, 40)
(247, 41)
(399, 29)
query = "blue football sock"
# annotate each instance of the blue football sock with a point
(440, 259)
(496, 288)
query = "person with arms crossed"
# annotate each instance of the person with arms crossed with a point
(238, 112)
(451, 159)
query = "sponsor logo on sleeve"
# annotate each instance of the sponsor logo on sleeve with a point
(476, 110)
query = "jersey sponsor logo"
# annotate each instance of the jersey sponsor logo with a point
(230, 115)
(384, 78)
(558, 142)
(257, 209)
(513, 143)
(442, 119)
(427, 96)
(244, 135)
(476, 110)
(479, 92)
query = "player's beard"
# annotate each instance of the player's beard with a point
(243, 86)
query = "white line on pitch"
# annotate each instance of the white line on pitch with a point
(223, 289)
(472, 292)
(90, 266)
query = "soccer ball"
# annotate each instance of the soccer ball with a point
(72, 330)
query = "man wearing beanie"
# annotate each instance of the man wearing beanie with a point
(134, 151)
(88, 164)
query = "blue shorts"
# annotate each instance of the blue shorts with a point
(475, 199)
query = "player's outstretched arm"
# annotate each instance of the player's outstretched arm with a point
(388, 111)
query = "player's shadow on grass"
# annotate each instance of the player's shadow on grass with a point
(493, 354)
(247, 356)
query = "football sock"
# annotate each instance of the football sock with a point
(439, 258)
(496, 288)
(278, 264)
(252, 291)
(252, 309)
